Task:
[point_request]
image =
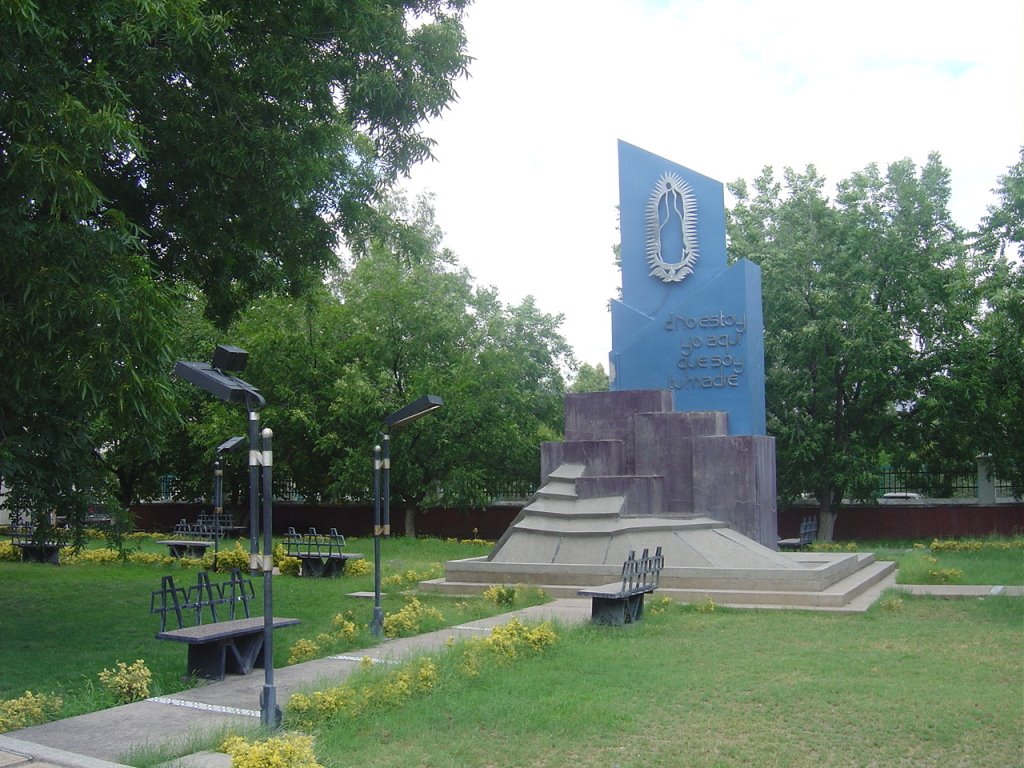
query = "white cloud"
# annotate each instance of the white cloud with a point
(526, 178)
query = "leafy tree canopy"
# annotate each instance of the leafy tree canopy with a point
(153, 152)
(865, 299)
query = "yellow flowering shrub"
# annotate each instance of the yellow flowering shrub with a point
(407, 621)
(343, 630)
(411, 578)
(389, 691)
(151, 558)
(26, 710)
(707, 605)
(513, 638)
(358, 567)
(945, 575)
(973, 545)
(291, 750)
(499, 594)
(128, 682)
(303, 650)
(893, 604)
(227, 559)
(9, 552)
(343, 626)
(658, 607)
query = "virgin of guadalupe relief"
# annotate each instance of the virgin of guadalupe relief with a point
(672, 229)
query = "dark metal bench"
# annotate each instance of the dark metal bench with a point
(622, 602)
(221, 645)
(320, 554)
(808, 533)
(219, 525)
(190, 539)
(33, 550)
(185, 548)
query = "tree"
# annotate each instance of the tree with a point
(590, 378)
(993, 361)
(862, 298)
(156, 152)
(416, 326)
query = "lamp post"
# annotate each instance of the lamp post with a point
(218, 491)
(382, 491)
(214, 380)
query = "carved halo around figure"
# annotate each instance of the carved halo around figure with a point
(672, 204)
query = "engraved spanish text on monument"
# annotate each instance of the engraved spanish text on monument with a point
(710, 350)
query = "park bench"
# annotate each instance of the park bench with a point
(218, 523)
(224, 643)
(190, 539)
(320, 554)
(808, 532)
(33, 550)
(622, 602)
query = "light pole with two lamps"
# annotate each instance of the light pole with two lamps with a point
(382, 490)
(214, 380)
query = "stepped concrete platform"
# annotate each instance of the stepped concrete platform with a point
(566, 540)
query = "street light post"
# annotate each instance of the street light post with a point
(377, 625)
(213, 379)
(218, 492)
(382, 490)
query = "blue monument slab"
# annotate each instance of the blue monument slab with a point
(688, 322)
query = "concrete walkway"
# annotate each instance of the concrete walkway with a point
(100, 739)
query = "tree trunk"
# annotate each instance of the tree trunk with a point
(410, 522)
(828, 511)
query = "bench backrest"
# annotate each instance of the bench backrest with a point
(643, 572)
(808, 530)
(313, 543)
(202, 598)
(24, 532)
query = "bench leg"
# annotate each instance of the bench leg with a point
(608, 610)
(616, 611)
(312, 566)
(237, 655)
(634, 608)
(207, 660)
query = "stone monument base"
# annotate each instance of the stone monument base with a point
(562, 543)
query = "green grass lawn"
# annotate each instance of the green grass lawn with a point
(994, 560)
(922, 682)
(913, 682)
(61, 626)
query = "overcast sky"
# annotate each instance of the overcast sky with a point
(526, 179)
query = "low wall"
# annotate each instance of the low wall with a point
(930, 519)
(915, 520)
(349, 519)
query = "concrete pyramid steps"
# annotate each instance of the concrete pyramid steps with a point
(562, 543)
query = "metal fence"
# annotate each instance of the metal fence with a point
(171, 489)
(933, 485)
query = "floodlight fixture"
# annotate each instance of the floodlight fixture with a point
(230, 444)
(221, 385)
(413, 411)
(229, 358)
